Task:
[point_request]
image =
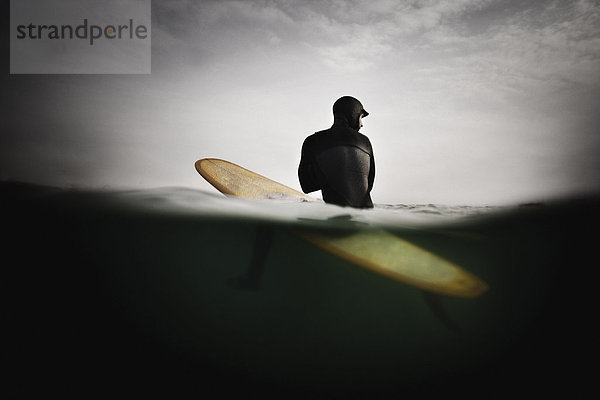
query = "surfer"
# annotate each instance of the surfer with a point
(339, 161)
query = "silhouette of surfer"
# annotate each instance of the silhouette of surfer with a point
(338, 161)
(262, 244)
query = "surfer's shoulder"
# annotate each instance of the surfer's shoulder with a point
(315, 137)
(320, 133)
(364, 139)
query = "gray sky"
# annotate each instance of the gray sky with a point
(470, 101)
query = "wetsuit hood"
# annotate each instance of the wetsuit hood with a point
(346, 112)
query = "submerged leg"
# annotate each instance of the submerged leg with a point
(434, 302)
(262, 244)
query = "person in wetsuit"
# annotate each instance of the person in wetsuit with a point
(339, 161)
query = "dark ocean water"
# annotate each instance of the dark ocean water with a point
(132, 290)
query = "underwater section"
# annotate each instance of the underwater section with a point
(142, 290)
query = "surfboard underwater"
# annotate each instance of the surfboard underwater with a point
(375, 249)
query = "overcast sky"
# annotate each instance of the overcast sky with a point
(470, 101)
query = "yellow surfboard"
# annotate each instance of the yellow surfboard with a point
(377, 250)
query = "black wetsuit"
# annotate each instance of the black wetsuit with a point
(339, 161)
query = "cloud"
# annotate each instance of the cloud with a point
(359, 37)
(549, 41)
(526, 53)
(343, 35)
(553, 46)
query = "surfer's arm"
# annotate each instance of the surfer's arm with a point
(371, 172)
(306, 172)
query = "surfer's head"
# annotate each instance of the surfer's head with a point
(348, 111)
